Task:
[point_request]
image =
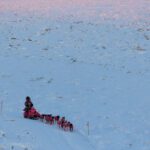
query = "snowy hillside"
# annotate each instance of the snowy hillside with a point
(87, 60)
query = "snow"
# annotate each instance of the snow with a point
(85, 60)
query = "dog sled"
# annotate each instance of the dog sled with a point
(61, 122)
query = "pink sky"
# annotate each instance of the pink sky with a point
(38, 5)
(113, 8)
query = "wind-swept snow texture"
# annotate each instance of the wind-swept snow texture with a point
(87, 60)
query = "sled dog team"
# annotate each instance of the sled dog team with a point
(61, 122)
(30, 112)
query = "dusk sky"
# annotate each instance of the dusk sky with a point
(133, 9)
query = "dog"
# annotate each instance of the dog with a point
(71, 127)
(56, 118)
(68, 126)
